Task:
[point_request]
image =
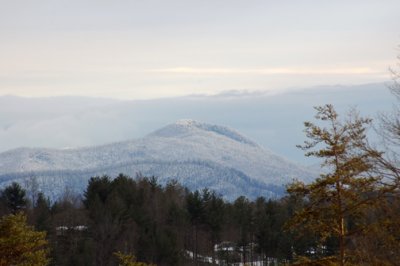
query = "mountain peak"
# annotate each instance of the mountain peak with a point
(194, 153)
(187, 122)
(187, 127)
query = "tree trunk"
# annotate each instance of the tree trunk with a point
(341, 241)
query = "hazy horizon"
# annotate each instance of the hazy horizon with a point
(224, 93)
(275, 121)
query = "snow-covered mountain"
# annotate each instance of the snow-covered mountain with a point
(196, 154)
(272, 120)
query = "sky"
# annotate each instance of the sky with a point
(143, 49)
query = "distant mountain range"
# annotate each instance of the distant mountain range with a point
(196, 154)
(272, 120)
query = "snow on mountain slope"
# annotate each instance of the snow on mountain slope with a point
(186, 127)
(196, 154)
(194, 140)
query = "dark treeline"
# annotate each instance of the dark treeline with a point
(164, 225)
(169, 225)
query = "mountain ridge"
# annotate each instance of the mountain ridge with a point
(273, 121)
(182, 126)
(186, 150)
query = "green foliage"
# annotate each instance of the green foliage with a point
(135, 216)
(14, 197)
(195, 207)
(42, 213)
(243, 217)
(214, 208)
(20, 244)
(158, 224)
(269, 217)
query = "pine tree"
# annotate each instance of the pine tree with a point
(42, 212)
(346, 191)
(20, 244)
(195, 209)
(243, 217)
(14, 197)
(214, 211)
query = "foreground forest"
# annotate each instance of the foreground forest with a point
(162, 225)
(172, 226)
(350, 215)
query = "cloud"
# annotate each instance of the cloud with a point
(267, 71)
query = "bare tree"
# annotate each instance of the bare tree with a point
(378, 246)
(31, 185)
(389, 130)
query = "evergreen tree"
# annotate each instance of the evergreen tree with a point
(243, 216)
(20, 244)
(14, 197)
(195, 210)
(269, 218)
(346, 191)
(41, 213)
(214, 212)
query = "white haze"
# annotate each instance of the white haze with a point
(273, 121)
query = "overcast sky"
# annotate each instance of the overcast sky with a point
(148, 49)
